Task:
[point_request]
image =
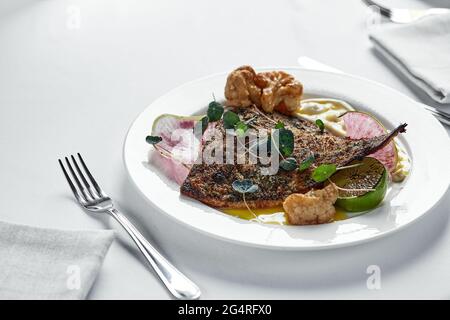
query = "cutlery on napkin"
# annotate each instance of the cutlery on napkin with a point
(311, 64)
(420, 51)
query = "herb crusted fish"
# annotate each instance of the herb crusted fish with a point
(212, 183)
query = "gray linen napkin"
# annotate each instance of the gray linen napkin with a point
(39, 263)
(421, 52)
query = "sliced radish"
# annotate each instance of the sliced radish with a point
(359, 125)
(174, 130)
(178, 142)
(170, 168)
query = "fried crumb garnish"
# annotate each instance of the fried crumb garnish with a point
(313, 207)
(241, 90)
(272, 90)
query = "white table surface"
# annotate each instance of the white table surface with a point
(69, 85)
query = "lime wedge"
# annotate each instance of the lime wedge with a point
(365, 185)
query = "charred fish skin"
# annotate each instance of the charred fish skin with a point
(211, 183)
(202, 184)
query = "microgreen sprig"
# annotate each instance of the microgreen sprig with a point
(286, 142)
(230, 119)
(215, 111)
(289, 164)
(305, 164)
(320, 125)
(324, 171)
(279, 125)
(153, 139)
(240, 128)
(243, 187)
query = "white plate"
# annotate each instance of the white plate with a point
(425, 140)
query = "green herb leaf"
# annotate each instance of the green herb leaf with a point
(320, 124)
(244, 186)
(323, 172)
(215, 111)
(240, 128)
(279, 125)
(286, 142)
(153, 139)
(230, 119)
(288, 164)
(306, 163)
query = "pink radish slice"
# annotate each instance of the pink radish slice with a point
(359, 125)
(174, 130)
(170, 168)
(179, 141)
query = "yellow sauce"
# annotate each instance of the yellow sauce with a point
(327, 110)
(269, 215)
(273, 215)
(340, 215)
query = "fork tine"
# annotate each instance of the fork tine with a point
(91, 191)
(69, 181)
(77, 181)
(94, 183)
(86, 184)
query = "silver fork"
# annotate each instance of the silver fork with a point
(406, 15)
(92, 198)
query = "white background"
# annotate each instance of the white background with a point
(74, 83)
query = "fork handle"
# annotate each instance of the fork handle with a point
(176, 282)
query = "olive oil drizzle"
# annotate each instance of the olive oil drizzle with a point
(274, 215)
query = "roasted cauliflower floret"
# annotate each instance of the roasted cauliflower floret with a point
(274, 90)
(280, 91)
(241, 90)
(313, 207)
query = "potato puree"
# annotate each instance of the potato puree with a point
(403, 165)
(329, 111)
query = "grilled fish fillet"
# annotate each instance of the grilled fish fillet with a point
(211, 183)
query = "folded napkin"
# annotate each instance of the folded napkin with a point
(421, 52)
(38, 263)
